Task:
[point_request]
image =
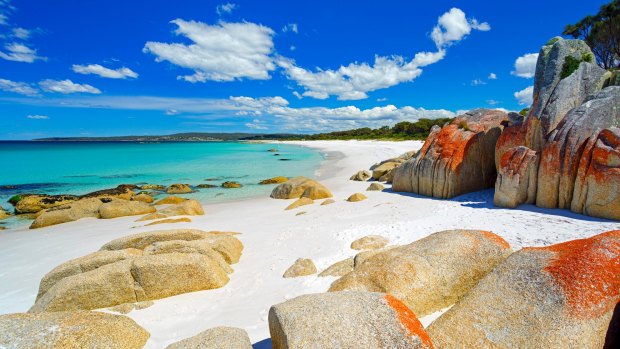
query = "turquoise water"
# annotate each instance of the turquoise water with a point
(80, 167)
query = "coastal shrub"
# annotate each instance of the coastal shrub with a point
(524, 111)
(552, 41)
(587, 57)
(15, 199)
(463, 125)
(570, 65)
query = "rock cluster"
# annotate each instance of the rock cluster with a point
(140, 267)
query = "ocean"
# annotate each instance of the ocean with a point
(82, 167)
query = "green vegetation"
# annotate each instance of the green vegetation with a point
(552, 41)
(524, 111)
(15, 199)
(404, 130)
(602, 33)
(463, 125)
(570, 65)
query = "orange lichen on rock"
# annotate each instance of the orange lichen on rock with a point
(588, 271)
(409, 321)
(496, 239)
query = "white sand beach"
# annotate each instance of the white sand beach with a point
(274, 239)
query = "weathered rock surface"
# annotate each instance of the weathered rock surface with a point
(274, 180)
(357, 197)
(328, 202)
(152, 187)
(33, 203)
(298, 203)
(375, 187)
(170, 221)
(170, 200)
(231, 185)
(517, 178)
(140, 267)
(179, 189)
(298, 186)
(369, 242)
(432, 273)
(361, 176)
(345, 320)
(4, 214)
(68, 213)
(216, 338)
(385, 168)
(143, 197)
(76, 329)
(340, 268)
(301, 267)
(122, 208)
(122, 192)
(559, 296)
(456, 159)
(185, 208)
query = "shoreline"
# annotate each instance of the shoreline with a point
(273, 239)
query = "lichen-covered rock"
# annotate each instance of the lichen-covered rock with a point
(301, 267)
(122, 208)
(432, 273)
(274, 180)
(140, 267)
(298, 203)
(559, 296)
(216, 338)
(33, 203)
(517, 178)
(375, 187)
(179, 189)
(340, 268)
(369, 242)
(122, 192)
(564, 150)
(231, 185)
(346, 320)
(75, 329)
(357, 197)
(170, 200)
(456, 159)
(361, 176)
(152, 187)
(296, 187)
(513, 135)
(68, 213)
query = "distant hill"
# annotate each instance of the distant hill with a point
(177, 137)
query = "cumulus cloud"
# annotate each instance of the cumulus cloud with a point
(525, 66)
(525, 96)
(120, 73)
(225, 8)
(291, 27)
(492, 76)
(21, 88)
(354, 81)
(67, 86)
(220, 52)
(20, 53)
(37, 117)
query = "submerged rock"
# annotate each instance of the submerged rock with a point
(274, 180)
(230, 184)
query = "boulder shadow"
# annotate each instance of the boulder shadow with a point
(612, 339)
(264, 344)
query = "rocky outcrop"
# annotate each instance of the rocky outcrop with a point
(559, 296)
(179, 189)
(301, 186)
(123, 208)
(143, 197)
(298, 203)
(33, 203)
(140, 267)
(75, 329)
(361, 176)
(274, 180)
(517, 178)
(456, 159)
(68, 213)
(375, 187)
(346, 320)
(301, 267)
(385, 168)
(369, 242)
(432, 273)
(231, 185)
(216, 338)
(170, 200)
(122, 192)
(357, 197)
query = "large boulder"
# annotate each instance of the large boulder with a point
(216, 338)
(517, 178)
(560, 296)
(140, 267)
(432, 273)
(179, 188)
(369, 242)
(75, 329)
(122, 192)
(565, 149)
(456, 159)
(298, 186)
(33, 203)
(385, 168)
(122, 208)
(185, 208)
(68, 213)
(345, 320)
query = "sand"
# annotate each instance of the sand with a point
(275, 238)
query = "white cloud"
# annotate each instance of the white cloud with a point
(354, 81)
(525, 66)
(221, 52)
(453, 26)
(256, 125)
(478, 82)
(291, 27)
(525, 96)
(120, 73)
(298, 95)
(20, 53)
(21, 88)
(381, 99)
(492, 102)
(3, 19)
(37, 117)
(21, 33)
(492, 76)
(67, 86)
(225, 8)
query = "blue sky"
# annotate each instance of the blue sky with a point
(86, 68)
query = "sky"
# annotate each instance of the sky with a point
(104, 68)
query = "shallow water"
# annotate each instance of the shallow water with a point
(82, 167)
